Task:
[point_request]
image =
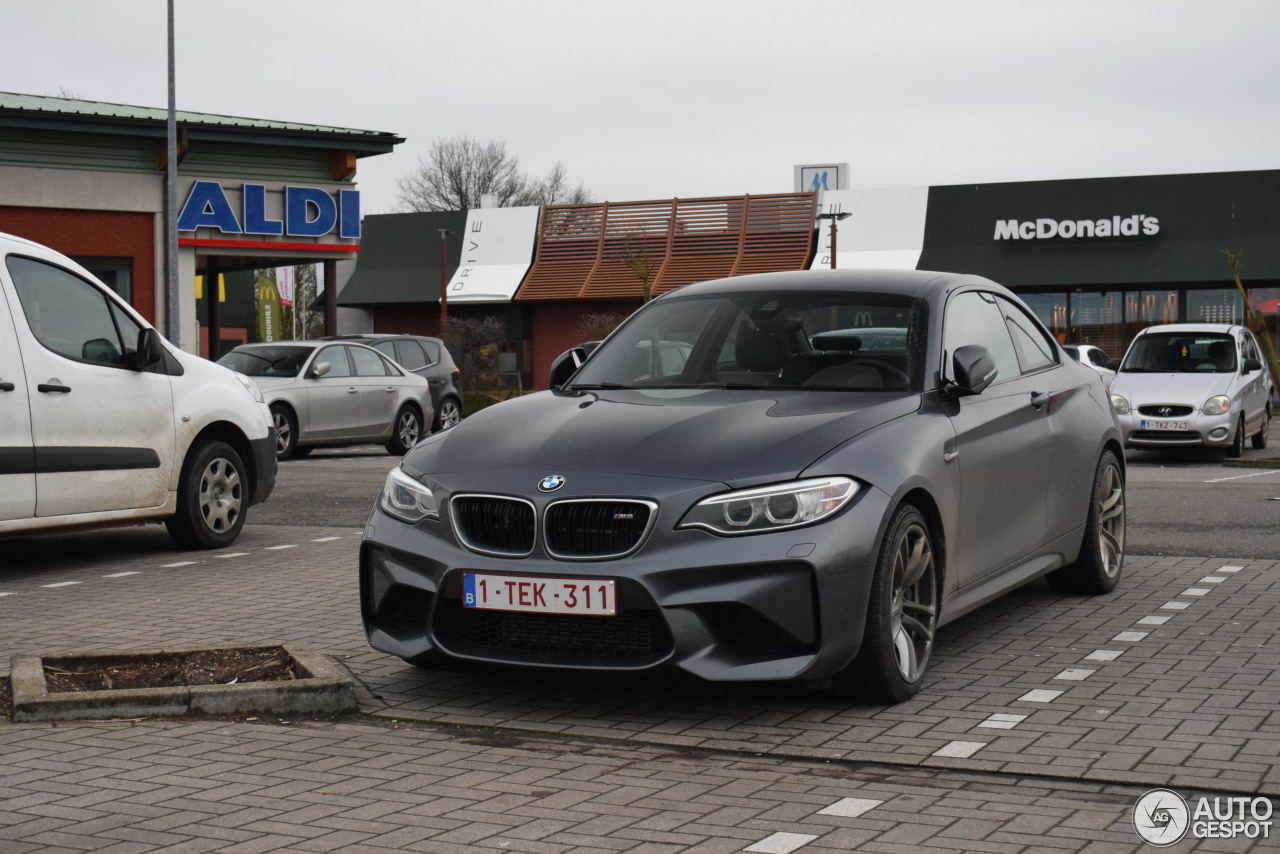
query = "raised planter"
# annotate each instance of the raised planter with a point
(318, 687)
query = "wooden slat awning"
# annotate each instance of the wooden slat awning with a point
(583, 250)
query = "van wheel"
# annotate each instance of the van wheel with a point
(212, 497)
(1260, 438)
(1097, 568)
(407, 429)
(286, 425)
(902, 615)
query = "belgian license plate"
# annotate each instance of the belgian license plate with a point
(591, 596)
(1165, 425)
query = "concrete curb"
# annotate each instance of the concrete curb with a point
(321, 688)
(1254, 463)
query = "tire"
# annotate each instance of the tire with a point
(902, 615)
(1237, 441)
(286, 424)
(1097, 568)
(406, 432)
(448, 414)
(213, 496)
(1260, 438)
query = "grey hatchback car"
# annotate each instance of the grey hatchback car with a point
(780, 504)
(427, 357)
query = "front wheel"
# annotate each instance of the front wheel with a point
(1260, 438)
(286, 425)
(407, 429)
(1237, 442)
(1097, 568)
(212, 497)
(902, 615)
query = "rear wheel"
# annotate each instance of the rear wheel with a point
(447, 415)
(902, 615)
(1097, 568)
(1260, 438)
(212, 497)
(406, 432)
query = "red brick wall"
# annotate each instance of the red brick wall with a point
(101, 234)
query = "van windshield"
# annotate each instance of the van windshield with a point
(266, 361)
(1182, 353)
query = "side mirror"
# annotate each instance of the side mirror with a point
(1251, 365)
(566, 365)
(319, 369)
(974, 370)
(1113, 365)
(149, 352)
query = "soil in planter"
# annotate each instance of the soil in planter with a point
(204, 667)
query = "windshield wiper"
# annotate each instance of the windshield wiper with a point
(601, 387)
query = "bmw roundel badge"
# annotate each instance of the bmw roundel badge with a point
(551, 483)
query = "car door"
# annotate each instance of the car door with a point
(333, 400)
(103, 432)
(1004, 446)
(17, 456)
(1256, 390)
(379, 391)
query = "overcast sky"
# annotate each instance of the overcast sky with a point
(662, 98)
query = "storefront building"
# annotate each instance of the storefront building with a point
(87, 178)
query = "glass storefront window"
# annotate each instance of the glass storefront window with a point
(1098, 319)
(1051, 310)
(1148, 308)
(1217, 306)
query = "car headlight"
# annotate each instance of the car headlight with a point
(251, 387)
(1119, 404)
(1217, 405)
(407, 499)
(771, 508)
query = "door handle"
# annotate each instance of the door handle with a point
(352, 390)
(52, 388)
(7, 386)
(1038, 399)
(391, 389)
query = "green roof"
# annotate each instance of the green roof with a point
(69, 107)
(399, 259)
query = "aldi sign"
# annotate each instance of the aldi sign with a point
(302, 212)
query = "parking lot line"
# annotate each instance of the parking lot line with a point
(1104, 655)
(1130, 637)
(781, 843)
(1153, 621)
(178, 564)
(1040, 695)
(122, 574)
(1243, 476)
(850, 807)
(61, 584)
(1002, 721)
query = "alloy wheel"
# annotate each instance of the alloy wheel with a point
(283, 431)
(1111, 520)
(408, 429)
(450, 415)
(913, 614)
(220, 498)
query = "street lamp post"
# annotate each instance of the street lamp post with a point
(834, 217)
(444, 279)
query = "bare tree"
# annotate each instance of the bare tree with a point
(458, 171)
(637, 258)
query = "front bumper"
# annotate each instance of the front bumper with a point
(781, 605)
(1204, 431)
(265, 464)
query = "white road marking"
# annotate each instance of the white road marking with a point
(179, 563)
(122, 574)
(961, 749)
(1040, 695)
(278, 548)
(781, 843)
(850, 807)
(1230, 569)
(1002, 721)
(1212, 579)
(232, 554)
(1242, 476)
(2, 595)
(326, 539)
(61, 584)
(1153, 621)
(1176, 606)
(1104, 655)
(1075, 674)
(1195, 591)
(1130, 637)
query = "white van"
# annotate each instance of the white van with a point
(104, 422)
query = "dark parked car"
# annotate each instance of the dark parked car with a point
(768, 509)
(426, 357)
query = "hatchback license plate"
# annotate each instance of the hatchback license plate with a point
(1165, 425)
(591, 596)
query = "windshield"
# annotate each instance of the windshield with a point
(779, 339)
(1181, 353)
(266, 361)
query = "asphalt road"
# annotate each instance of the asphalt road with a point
(1187, 504)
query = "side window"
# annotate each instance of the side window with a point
(70, 316)
(974, 318)
(409, 354)
(368, 363)
(1098, 358)
(1034, 349)
(433, 351)
(337, 359)
(386, 348)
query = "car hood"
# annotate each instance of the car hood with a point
(729, 436)
(1141, 389)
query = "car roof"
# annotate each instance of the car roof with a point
(908, 283)
(376, 336)
(1193, 327)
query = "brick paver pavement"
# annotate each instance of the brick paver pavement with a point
(1044, 719)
